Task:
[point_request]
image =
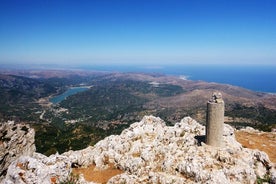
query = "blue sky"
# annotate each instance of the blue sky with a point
(150, 32)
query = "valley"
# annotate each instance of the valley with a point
(115, 101)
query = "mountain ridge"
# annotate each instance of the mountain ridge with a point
(151, 152)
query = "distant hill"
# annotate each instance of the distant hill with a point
(19, 95)
(117, 99)
(168, 97)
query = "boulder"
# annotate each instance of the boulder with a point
(15, 140)
(39, 169)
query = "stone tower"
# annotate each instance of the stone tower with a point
(215, 120)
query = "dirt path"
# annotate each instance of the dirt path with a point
(264, 141)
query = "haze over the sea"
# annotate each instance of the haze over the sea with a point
(257, 78)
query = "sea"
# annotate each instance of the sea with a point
(256, 78)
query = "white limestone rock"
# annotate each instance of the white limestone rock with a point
(15, 140)
(151, 152)
(38, 169)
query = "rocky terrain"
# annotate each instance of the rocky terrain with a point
(149, 152)
(15, 140)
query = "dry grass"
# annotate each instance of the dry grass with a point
(265, 141)
(91, 173)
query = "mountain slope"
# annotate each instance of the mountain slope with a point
(19, 96)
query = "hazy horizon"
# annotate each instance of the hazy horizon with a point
(145, 32)
(254, 77)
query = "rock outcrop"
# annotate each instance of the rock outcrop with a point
(15, 140)
(38, 169)
(151, 152)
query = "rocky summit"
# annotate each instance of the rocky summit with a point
(151, 152)
(15, 140)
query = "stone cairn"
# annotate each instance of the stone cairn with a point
(215, 120)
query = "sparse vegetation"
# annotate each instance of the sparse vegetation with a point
(110, 106)
(265, 179)
(260, 117)
(72, 179)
